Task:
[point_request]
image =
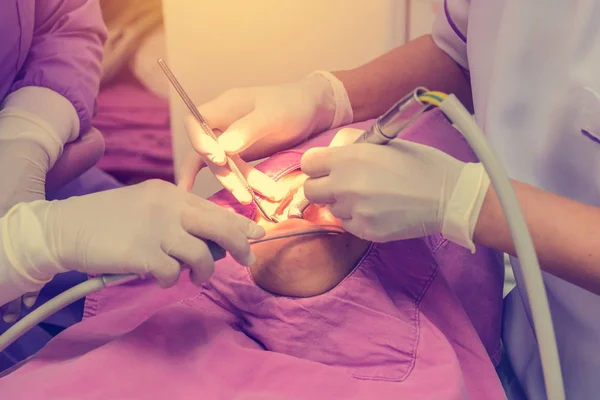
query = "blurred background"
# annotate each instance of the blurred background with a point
(215, 45)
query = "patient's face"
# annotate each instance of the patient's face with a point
(307, 265)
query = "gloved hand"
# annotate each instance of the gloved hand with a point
(259, 121)
(77, 157)
(35, 123)
(146, 229)
(23, 166)
(402, 190)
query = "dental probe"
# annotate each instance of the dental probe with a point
(386, 128)
(206, 128)
(218, 253)
(90, 286)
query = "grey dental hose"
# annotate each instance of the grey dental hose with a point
(96, 284)
(532, 275)
(59, 302)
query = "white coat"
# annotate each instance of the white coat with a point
(535, 74)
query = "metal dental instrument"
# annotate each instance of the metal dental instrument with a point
(194, 110)
(322, 229)
(386, 128)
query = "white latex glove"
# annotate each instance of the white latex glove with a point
(146, 229)
(35, 123)
(260, 121)
(402, 190)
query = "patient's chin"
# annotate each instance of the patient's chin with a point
(305, 266)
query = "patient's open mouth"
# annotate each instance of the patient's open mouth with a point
(295, 207)
(295, 196)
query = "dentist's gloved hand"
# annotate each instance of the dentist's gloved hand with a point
(259, 121)
(402, 190)
(147, 229)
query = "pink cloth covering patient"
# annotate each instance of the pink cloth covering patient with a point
(415, 319)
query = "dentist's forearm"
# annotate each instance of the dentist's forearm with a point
(377, 85)
(566, 233)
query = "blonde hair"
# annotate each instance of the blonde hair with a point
(128, 23)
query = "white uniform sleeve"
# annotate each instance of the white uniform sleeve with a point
(450, 30)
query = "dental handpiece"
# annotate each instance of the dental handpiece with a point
(389, 125)
(206, 128)
(386, 128)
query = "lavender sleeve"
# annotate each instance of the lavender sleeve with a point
(66, 53)
(450, 30)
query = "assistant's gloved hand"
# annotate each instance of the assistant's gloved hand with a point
(146, 229)
(35, 123)
(402, 190)
(260, 121)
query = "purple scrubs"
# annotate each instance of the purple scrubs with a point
(55, 44)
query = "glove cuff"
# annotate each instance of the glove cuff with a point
(48, 106)
(464, 205)
(24, 243)
(17, 125)
(343, 114)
